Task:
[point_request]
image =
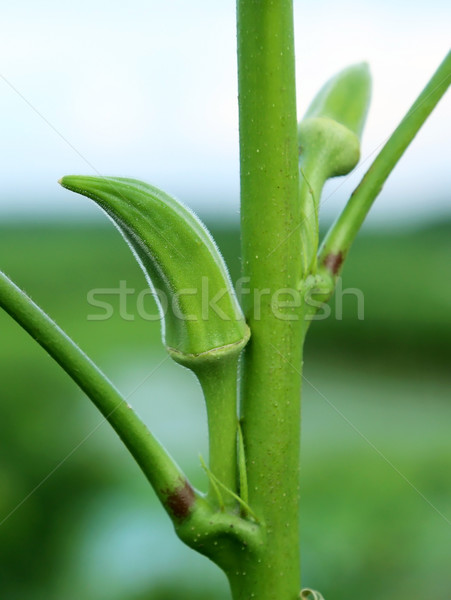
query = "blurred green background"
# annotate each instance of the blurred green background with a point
(78, 519)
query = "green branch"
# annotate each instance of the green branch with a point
(196, 521)
(165, 476)
(341, 235)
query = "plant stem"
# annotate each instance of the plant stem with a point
(341, 235)
(161, 471)
(270, 211)
(219, 385)
(310, 187)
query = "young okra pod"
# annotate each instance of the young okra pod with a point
(201, 317)
(333, 124)
(329, 145)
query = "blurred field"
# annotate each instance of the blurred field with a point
(78, 520)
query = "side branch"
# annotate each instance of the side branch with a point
(341, 235)
(169, 482)
(196, 521)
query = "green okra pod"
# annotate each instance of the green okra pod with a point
(202, 319)
(329, 144)
(203, 325)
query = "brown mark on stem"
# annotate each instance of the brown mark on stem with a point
(180, 500)
(334, 261)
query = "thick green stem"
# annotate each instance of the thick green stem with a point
(272, 262)
(341, 235)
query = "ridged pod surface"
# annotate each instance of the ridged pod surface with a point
(202, 319)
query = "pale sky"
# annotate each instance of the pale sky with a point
(148, 89)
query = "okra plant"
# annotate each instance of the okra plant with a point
(248, 357)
